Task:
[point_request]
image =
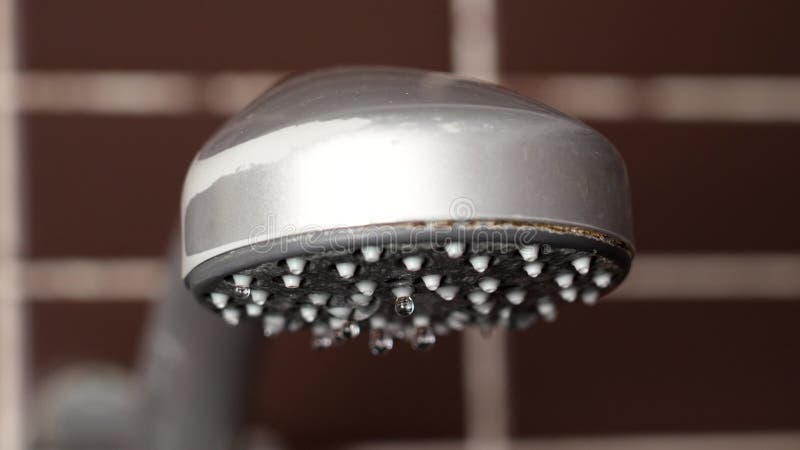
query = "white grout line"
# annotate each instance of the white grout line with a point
(666, 97)
(655, 276)
(110, 92)
(721, 276)
(141, 93)
(473, 39)
(486, 388)
(12, 316)
(682, 441)
(474, 53)
(725, 98)
(615, 97)
(82, 279)
(587, 96)
(228, 92)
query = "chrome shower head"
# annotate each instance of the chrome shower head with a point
(411, 203)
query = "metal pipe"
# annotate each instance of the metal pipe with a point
(193, 372)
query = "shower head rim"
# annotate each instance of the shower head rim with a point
(203, 277)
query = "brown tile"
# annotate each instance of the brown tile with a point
(106, 186)
(63, 333)
(659, 367)
(320, 399)
(631, 36)
(233, 35)
(616, 368)
(711, 187)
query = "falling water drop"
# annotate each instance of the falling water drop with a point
(404, 306)
(350, 330)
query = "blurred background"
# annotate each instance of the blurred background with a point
(103, 104)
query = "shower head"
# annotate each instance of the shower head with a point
(410, 203)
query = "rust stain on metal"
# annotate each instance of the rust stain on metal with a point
(553, 228)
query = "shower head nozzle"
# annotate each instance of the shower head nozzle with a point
(410, 203)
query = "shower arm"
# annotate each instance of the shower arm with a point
(193, 370)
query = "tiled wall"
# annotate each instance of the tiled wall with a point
(106, 185)
(649, 38)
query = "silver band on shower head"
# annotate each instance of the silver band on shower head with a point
(355, 147)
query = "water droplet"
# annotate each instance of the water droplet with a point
(423, 339)
(241, 291)
(322, 342)
(322, 337)
(380, 342)
(404, 306)
(350, 330)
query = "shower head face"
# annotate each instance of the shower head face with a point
(404, 202)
